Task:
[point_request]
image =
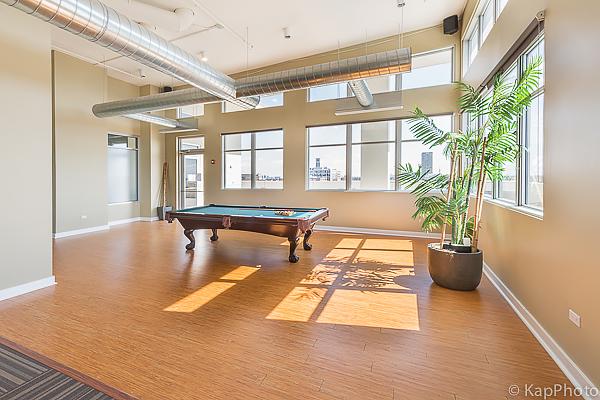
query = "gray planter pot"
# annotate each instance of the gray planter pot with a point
(452, 270)
(161, 211)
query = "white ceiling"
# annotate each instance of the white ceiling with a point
(315, 25)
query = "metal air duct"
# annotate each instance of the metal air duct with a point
(386, 63)
(361, 92)
(158, 120)
(350, 69)
(94, 21)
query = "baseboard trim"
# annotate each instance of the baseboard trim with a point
(60, 235)
(123, 221)
(369, 231)
(560, 357)
(27, 287)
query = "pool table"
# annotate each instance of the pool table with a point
(261, 219)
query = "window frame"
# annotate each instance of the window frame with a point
(252, 151)
(137, 165)
(521, 164)
(397, 141)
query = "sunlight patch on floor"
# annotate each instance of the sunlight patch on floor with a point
(349, 243)
(298, 305)
(387, 257)
(322, 275)
(240, 273)
(375, 277)
(200, 297)
(374, 309)
(388, 244)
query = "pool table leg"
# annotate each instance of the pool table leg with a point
(293, 244)
(305, 244)
(214, 236)
(189, 233)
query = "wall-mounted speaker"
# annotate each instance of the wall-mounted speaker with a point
(451, 25)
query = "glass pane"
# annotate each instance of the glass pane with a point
(238, 170)
(373, 166)
(507, 188)
(122, 175)
(328, 92)
(122, 141)
(230, 107)
(238, 141)
(272, 100)
(193, 166)
(334, 134)
(534, 153)
(500, 4)
(487, 20)
(487, 188)
(269, 139)
(419, 155)
(444, 122)
(537, 51)
(473, 44)
(381, 84)
(191, 143)
(374, 132)
(193, 110)
(327, 167)
(269, 169)
(192, 199)
(429, 70)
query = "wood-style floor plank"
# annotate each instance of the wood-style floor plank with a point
(357, 318)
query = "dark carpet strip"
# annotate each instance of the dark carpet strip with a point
(24, 378)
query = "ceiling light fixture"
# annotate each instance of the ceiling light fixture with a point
(400, 3)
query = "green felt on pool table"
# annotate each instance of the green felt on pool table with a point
(249, 211)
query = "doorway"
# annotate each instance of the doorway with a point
(191, 164)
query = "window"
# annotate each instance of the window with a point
(328, 92)
(533, 139)
(523, 181)
(369, 153)
(122, 168)
(267, 101)
(193, 110)
(373, 156)
(485, 18)
(191, 164)
(473, 45)
(253, 160)
(428, 69)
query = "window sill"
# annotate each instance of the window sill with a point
(123, 202)
(361, 191)
(527, 211)
(236, 189)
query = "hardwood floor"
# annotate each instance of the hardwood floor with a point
(356, 318)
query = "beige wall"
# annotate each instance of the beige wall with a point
(80, 144)
(26, 151)
(152, 156)
(550, 264)
(384, 210)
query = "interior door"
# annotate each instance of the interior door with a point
(192, 185)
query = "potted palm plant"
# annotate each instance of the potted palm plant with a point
(476, 153)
